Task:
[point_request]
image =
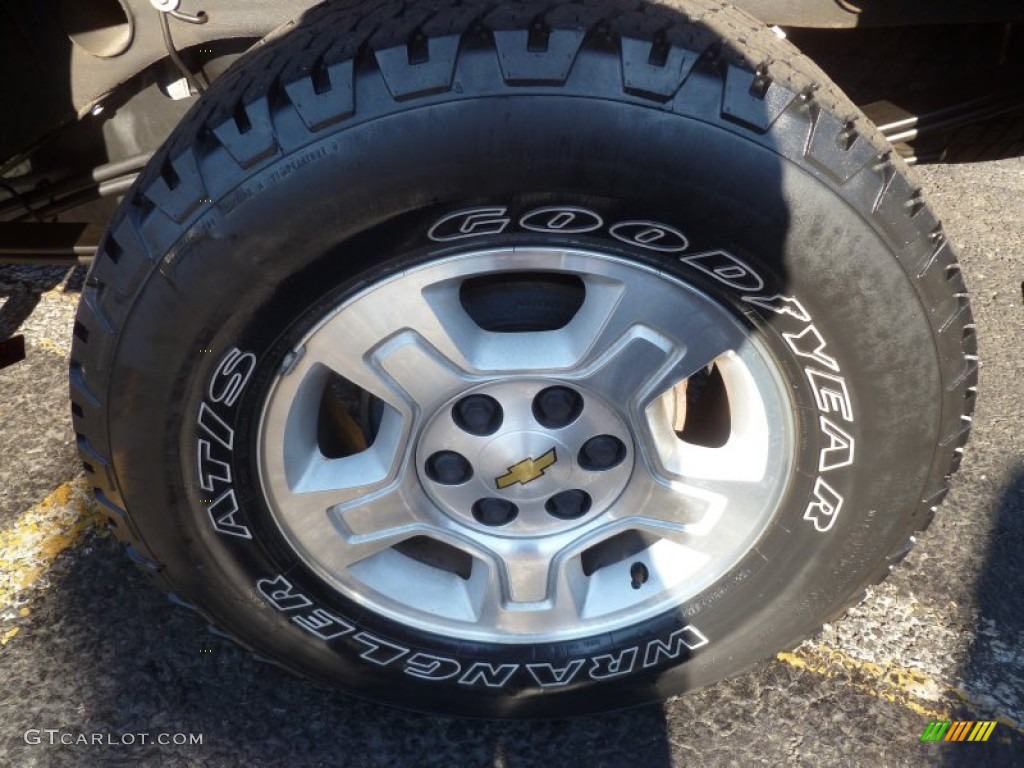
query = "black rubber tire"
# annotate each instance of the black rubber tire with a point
(321, 161)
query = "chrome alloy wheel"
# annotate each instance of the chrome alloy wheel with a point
(529, 486)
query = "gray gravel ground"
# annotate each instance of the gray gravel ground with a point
(98, 650)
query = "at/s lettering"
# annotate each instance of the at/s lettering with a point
(216, 440)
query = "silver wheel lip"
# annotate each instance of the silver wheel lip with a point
(581, 536)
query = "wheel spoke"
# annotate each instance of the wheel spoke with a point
(748, 454)
(694, 518)
(673, 506)
(405, 369)
(304, 482)
(368, 525)
(532, 589)
(306, 508)
(527, 577)
(379, 514)
(648, 339)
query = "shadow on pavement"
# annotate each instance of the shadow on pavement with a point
(20, 288)
(120, 661)
(991, 676)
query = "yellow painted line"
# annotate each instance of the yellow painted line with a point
(910, 688)
(62, 294)
(49, 345)
(899, 686)
(36, 540)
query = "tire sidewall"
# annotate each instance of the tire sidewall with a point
(250, 279)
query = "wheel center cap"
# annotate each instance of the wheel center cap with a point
(524, 457)
(525, 466)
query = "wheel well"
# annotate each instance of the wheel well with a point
(95, 85)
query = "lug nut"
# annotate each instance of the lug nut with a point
(601, 453)
(568, 505)
(448, 468)
(478, 414)
(557, 407)
(490, 511)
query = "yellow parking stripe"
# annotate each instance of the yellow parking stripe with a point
(33, 543)
(893, 684)
(910, 688)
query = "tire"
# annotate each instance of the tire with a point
(341, 359)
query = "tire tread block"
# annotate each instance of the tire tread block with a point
(658, 80)
(522, 66)
(249, 136)
(759, 112)
(180, 198)
(319, 110)
(405, 79)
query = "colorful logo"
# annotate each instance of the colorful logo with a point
(958, 730)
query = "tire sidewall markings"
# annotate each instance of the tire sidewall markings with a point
(225, 514)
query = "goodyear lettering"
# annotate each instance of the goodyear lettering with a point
(726, 269)
(825, 507)
(566, 220)
(830, 393)
(839, 451)
(810, 345)
(650, 235)
(473, 222)
(780, 305)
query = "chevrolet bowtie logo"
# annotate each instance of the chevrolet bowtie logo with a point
(527, 470)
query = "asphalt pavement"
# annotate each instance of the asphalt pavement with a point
(97, 668)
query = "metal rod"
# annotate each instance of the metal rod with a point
(46, 260)
(197, 81)
(47, 195)
(910, 127)
(111, 188)
(48, 244)
(120, 168)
